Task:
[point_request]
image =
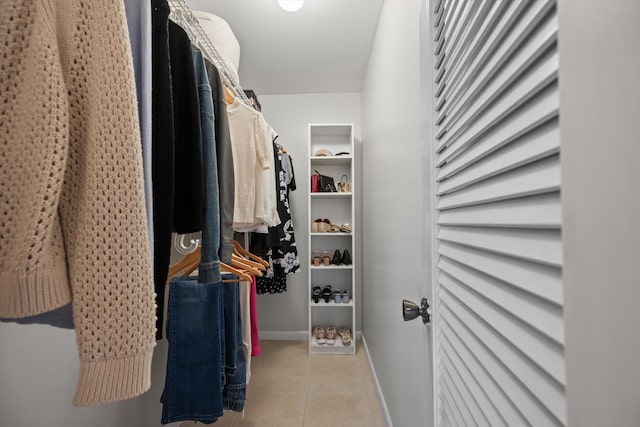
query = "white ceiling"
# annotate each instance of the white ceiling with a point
(324, 47)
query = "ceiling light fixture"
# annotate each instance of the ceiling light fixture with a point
(291, 5)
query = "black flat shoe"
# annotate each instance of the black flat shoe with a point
(346, 257)
(337, 258)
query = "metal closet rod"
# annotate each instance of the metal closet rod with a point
(182, 15)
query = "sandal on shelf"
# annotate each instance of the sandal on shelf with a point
(346, 228)
(316, 293)
(331, 335)
(345, 186)
(326, 293)
(326, 258)
(333, 228)
(319, 335)
(316, 259)
(337, 296)
(345, 335)
(337, 258)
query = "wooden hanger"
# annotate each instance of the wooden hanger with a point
(243, 276)
(190, 262)
(253, 264)
(245, 264)
(259, 263)
(228, 95)
(248, 263)
(239, 250)
(186, 265)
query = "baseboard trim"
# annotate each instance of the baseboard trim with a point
(284, 335)
(290, 335)
(383, 403)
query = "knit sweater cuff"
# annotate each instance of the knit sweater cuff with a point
(34, 293)
(111, 380)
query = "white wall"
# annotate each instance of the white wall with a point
(600, 128)
(289, 115)
(393, 215)
(39, 368)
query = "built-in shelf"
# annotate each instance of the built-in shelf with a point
(331, 195)
(331, 160)
(331, 267)
(337, 348)
(332, 304)
(339, 207)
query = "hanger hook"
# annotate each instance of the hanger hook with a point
(180, 245)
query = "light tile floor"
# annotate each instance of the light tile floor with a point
(290, 388)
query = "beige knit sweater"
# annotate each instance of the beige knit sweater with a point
(72, 212)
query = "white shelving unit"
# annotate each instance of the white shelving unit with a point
(339, 208)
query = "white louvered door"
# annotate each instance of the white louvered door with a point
(498, 300)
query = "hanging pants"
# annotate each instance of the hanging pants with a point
(206, 365)
(195, 363)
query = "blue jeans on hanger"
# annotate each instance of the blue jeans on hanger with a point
(235, 366)
(195, 332)
(209, 268)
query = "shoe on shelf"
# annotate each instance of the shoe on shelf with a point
(333, 228)
(344, 185)
(314, 226)
(346, 228)
(346, 257)
(326, 258)
(326, 293)
(337, 296)
(345, 335)
(323, 152)
(331, 335)
(337, 258)
(324, 225)
(316, 258)
(346, 296)
(319, 335)
(316, 293)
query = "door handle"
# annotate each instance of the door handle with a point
(411, 310)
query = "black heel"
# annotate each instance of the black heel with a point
(316, 293)
(337, 258)
(346, 257)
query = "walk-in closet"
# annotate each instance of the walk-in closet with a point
(310, 213)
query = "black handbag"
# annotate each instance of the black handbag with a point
(326, 183)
